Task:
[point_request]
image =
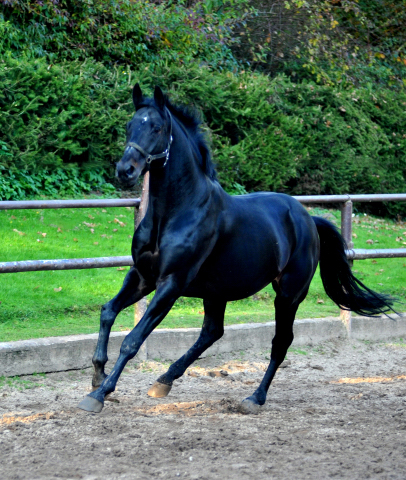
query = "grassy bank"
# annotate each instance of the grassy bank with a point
(39, 304)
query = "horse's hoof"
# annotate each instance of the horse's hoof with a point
(249, 407)
(90, 404)
(159, 390)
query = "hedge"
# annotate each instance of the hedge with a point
(266, 134)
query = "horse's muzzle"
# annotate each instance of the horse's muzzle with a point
(127, 174)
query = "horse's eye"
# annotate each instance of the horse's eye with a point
(157, 128)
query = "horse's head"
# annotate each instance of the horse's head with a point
(149, 136)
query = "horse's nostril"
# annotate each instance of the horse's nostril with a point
(129, 171)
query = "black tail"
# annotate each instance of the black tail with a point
(340, 284)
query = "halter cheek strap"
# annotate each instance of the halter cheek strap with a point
(150, 158)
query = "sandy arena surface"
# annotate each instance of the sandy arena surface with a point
(335, 410)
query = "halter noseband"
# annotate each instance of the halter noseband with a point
(150, 158)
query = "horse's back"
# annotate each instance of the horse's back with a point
(276, 215)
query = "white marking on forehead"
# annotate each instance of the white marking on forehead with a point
(144, 120)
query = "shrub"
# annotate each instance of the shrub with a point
(19, 185)
(273, 134)
(350, 42)
(266, 134)
(121, 31)
(53, 115)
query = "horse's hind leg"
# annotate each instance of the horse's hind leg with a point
(131, 291)
(212, 330)
(286, 305)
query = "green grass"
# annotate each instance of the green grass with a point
(20, 383)
(40, 304)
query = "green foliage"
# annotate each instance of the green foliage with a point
(120, 31)
(347, 42)
(352, 139)
(266, 134)
(273, 134)
(58, 182)
(56, 114)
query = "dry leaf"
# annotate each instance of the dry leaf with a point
(104, 235)
(104, 211)
(13, 217)
(59, 230)
(92, 230)
(40, 241)
(17, 231)
(130, 236)
(115, 229)
(57, 289)
(90, 216)
(320, 300)
(87, 224)
(370, 241)
(95, 243)
(75, 240)
(122, 224)
(35, 288)
(120, 269)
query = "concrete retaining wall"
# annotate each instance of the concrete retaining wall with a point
(75, 352)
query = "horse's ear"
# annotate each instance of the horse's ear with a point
(137, 95)
(159, 98)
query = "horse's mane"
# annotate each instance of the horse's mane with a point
(191, 122)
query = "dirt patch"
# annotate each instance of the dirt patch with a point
(335, 410)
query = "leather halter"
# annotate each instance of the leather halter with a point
(149, 157)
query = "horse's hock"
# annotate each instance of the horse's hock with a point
(75, 352)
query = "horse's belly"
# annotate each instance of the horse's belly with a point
(235, 274)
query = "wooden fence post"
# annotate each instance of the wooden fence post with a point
(346, 232)
(141, 306)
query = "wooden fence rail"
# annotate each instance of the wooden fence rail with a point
(346, 202)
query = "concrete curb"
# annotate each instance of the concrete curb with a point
(75, 352)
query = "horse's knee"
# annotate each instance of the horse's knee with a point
(107, 316)
(129, 347)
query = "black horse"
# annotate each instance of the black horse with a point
(198, 241)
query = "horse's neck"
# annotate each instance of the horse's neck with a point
(179, 184)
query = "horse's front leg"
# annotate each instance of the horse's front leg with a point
(132, 291)
(166, 294)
